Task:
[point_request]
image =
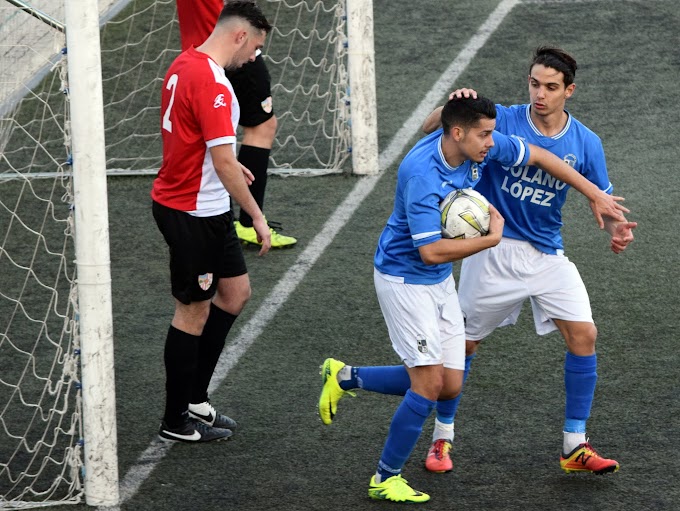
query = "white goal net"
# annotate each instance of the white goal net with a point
(305, 54)
(40, 412)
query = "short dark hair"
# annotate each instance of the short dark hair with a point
(558, 59)
(466, 112)
(248, 10)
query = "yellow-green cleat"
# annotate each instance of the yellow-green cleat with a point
(331, 392)
(396, 489)
(248, 235)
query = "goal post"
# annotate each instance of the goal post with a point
(361, 65)
(92, 252)
(57, 389)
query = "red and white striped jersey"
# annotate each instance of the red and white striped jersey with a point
(199, 110)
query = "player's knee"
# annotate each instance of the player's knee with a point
(234, 299)
(428, 381)
(451, 391)
(242, 296)
(591, 336)
(191, 318)
(581, 340)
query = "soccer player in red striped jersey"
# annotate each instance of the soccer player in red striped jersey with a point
(191, 206)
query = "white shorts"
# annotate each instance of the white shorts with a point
(494, 284)
(425, 322)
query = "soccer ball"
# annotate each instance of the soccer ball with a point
(465, 214)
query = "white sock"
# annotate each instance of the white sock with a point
(442, 430)
(345, 373)
(572, 441)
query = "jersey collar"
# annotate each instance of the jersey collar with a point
(538, 132)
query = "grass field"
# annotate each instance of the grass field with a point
(508, 429)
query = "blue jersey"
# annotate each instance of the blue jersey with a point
(530, 199)
(424, 179)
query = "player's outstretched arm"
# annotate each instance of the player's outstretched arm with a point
(601, 203)
(234, 179)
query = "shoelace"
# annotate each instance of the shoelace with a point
(211, 408)
(589, 448)
(275, 225)
(441, 449)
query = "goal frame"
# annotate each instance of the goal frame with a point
(93, 264)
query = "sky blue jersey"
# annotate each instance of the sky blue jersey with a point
(529, 198)
(424, 179)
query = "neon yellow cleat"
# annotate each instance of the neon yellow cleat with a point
(331, 392)
(396, 489)
(248, 235)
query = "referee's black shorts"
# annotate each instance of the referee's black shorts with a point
(252, 85)
(202, 251)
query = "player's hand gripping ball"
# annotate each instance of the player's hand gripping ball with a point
(465, 214)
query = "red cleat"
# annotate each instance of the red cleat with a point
(585, 459)
(438, 459)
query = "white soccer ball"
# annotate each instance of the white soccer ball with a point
(465, 214)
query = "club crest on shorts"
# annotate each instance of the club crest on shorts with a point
(205, 281)
(267, 105)
(422, 344)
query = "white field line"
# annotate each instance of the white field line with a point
(153, 454)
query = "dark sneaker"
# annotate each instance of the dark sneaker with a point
(192, 431)
(206, 413)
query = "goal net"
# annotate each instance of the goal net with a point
(40, 413)
(306, 55)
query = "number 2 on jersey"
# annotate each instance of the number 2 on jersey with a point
(172, 85)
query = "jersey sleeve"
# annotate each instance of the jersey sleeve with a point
(422, 212)
(212, 107)
(595, 167)
(509, 151)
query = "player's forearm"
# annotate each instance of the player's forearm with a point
(433, 121)
(229, 171)
(562, 171)
(239, 191)
(449, 250)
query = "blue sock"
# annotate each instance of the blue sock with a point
(393, 380)
(407, 424)
(580, 377)
(446, 409)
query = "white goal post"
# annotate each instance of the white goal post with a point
(57, 388)
(361, 61)
(93, 265)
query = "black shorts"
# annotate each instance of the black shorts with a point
(202, 251)
(252, 85)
